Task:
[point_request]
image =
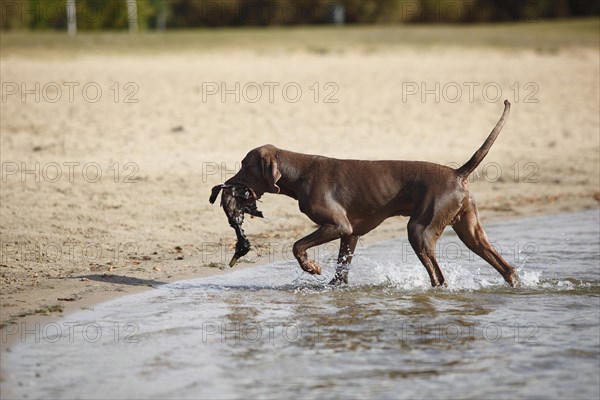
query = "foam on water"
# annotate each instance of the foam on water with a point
(367, 272)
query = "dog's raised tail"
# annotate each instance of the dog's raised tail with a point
(480, 154)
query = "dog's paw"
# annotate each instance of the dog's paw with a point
(514, 280)
(311, 267)
(337, 281)
(340, 278)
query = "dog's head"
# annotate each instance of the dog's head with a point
(259, 172)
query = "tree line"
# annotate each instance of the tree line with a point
(177, 14)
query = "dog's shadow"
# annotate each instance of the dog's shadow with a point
(121, 280)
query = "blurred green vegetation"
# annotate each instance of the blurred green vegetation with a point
(151, 14)
(543, 36)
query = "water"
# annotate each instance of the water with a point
(272, 331)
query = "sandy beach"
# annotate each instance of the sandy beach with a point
(108, 160)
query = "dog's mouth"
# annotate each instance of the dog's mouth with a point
(236, 201)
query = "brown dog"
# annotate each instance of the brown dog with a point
(349, 198)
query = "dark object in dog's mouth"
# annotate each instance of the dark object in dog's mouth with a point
(236, 201)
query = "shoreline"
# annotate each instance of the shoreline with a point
(89, 299)
(148, 221)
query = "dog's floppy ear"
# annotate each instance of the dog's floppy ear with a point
(215, 192)
(270, 171)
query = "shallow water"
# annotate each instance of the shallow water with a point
(273, 331)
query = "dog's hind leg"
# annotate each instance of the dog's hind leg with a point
(347, 246)
(430, 217)
(423, 238)
(470, 231)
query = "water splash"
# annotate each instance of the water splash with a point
(530, 278)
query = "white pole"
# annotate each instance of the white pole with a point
(71, 17)
(132, 15)
(161, 16)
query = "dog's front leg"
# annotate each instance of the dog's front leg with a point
(347, 246)
(324, 234)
